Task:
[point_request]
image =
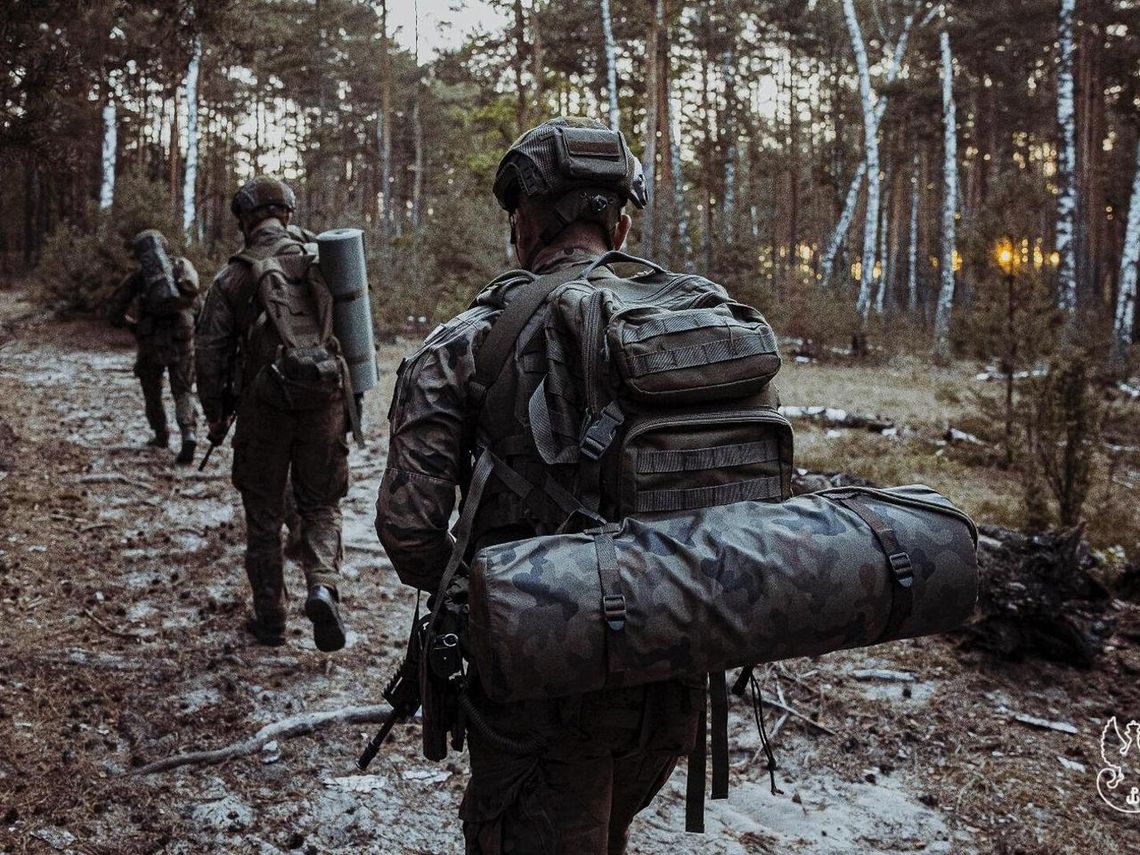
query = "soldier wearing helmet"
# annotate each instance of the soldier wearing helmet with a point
(602, 756)
(158, 302)
(282, 457)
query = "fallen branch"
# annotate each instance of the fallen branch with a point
(299, 725)
(118, 633)
(794, 713)
(1045, 724)
(113, 478)
(835, 417)
(883, 674)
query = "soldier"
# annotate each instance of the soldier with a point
(605, 754)
(158, 302)
(275, 443)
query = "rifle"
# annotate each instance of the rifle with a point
(402, 692)
(229, 406)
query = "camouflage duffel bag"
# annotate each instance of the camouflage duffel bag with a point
(653, 598)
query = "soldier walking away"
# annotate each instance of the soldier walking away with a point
(267, 359)
(581, 767)
(158, 302)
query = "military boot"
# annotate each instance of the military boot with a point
(186, 417)
(268, 585)
(159, 440)
(323, 610)
(189, 446)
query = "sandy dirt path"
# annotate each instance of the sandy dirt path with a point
(122, 600)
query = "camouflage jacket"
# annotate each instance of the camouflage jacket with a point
(432, 435)
(227, 317)
(126, 307)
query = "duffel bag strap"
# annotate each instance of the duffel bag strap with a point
(898, 561)
(613, 602)
(695, 781)
(718, 710)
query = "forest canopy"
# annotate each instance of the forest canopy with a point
(874, 159)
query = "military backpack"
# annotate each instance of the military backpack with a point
(302, 367)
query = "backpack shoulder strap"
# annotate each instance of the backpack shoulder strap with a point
(496, 351)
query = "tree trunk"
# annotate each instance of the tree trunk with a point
(538, 58)
(884, 244)
(519, 63)
(678, 188)
(852, 198)
(912, 242)
(837, 236)
(871, 149)
(190, 181)
(949, 204)
(384, 129)
(611, 63)
(649, 162)
(110, 149)
(728, 72)
(1066, 167)
(418, 174)
(1126, 296)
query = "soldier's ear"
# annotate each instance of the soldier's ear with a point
(621, 230)
(514, 232)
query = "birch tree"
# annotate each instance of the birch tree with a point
(827, 265)
(110, 149)
(652, 108)
(1126, 298)
(871, 149)
(912, 243)
(190, 180)
(728, 73)
(384, 126)
(1066, 166)
(949, 203)
(611, 63)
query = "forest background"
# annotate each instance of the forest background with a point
(952, 181)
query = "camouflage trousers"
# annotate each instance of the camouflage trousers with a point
(607, 755)
(305, 451)
(149, 368)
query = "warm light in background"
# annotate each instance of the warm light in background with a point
(1006, 258)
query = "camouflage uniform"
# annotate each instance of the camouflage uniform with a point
(272, 447)
(607, 753)
(164, 344)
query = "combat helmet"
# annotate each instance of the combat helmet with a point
(582, 166)
(262, 191)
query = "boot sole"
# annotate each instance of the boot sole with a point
(328, 628)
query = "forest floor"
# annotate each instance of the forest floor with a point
(122, 601)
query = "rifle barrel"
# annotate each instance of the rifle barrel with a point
(373, 747)
(206, 457)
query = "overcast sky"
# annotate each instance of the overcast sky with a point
(440, 27)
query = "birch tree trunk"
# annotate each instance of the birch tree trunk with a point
(871, 149)
(519, 63)
(949, 204)
(384, 127)
(1126, 298)
(884, 276)
(912, 243)
(611, 63)
(728, 73)
(649, 158)
(1066, 166)
(190, 180)
(852, 199)
(678, 187)
(110, 151)
(843, 225)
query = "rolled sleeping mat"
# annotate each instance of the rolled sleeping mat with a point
(342, 265)
(718, 588)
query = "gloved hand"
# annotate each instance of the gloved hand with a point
(217, 431)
